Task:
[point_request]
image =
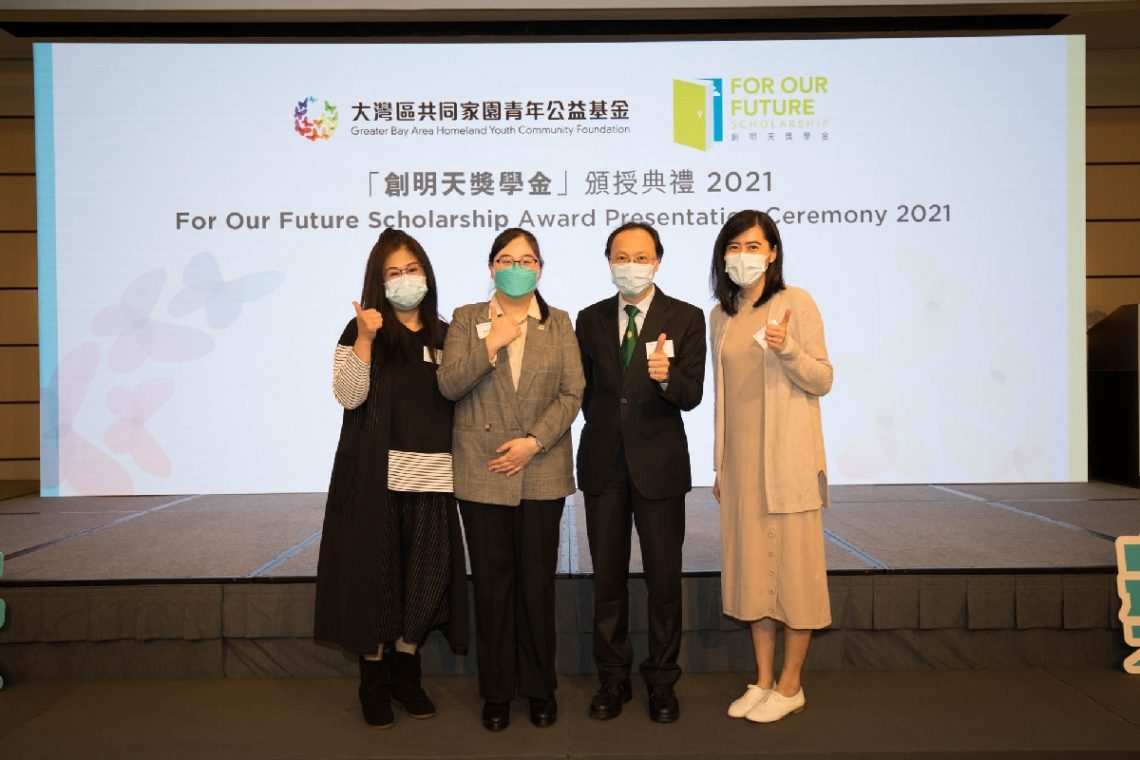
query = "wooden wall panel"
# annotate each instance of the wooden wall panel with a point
(1104, 296)
(17, 145)
(19, 373)
(1113, 192)
(1112, 248)
(19, 422)
(1112, 77)
(1112, 134)
(19, 431)
(18, 260)
(18, 321)
(18, 210)
(16, 88)
(19, 470)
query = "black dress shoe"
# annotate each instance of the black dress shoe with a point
(543, 712)
(663, 704)
(496, 715)
(607, 703)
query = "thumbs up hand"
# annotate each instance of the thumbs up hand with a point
(776, 334)
(368, 321)
(659, 361)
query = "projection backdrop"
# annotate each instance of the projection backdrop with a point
(205, 213)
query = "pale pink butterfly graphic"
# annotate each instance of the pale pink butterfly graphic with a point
(884, 443)
(204, 288)
(138, 336)
(128, 434)
(68, 457)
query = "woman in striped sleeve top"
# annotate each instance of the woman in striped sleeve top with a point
(391, 564)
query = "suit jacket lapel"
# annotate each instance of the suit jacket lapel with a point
(537, 341)
(609, 336)
(502, 371)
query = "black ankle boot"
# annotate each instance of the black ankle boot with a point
(376, 692)
(406, 684)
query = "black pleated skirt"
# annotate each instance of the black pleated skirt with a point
(415, 559)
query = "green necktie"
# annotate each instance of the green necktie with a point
(629, 339)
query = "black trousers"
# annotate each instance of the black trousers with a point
(661, 528)
(514, 555)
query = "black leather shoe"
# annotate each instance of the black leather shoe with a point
(607, 703)
(543, 712)
(663, 704)
(496, 715)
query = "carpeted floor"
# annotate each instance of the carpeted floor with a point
(874, 714)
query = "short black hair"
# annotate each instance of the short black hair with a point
(636, 226)
(724, 289)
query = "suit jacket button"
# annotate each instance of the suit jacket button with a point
(625, 401)
(487, 426)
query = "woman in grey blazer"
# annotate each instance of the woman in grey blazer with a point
(513, 368)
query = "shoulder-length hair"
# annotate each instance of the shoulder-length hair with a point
(393, 339)
(505, 238)
(724, 289)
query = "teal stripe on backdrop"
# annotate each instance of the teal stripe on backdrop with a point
(45, 237)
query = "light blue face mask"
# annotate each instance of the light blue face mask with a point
(745, 269)
(406, 291)
(631, 278)
(516, 280)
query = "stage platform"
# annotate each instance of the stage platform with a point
(207, 586)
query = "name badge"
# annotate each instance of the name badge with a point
(483, 329)
(651, 347)
(761, 337)
(438, 355)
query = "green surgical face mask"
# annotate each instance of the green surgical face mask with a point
(516, 280)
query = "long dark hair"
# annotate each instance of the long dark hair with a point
(724, 289)
(392, 337)
(502, 241)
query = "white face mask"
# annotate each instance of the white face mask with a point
(406, 291)
(745, 269)
(631, 279)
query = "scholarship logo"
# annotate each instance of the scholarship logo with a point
(698, 112)
(313, 122)
(762, 108)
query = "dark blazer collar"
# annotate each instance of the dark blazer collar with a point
(609, 331)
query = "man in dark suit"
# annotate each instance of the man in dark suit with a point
(643, 354)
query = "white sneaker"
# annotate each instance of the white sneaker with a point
(753, 696)
(776, 706)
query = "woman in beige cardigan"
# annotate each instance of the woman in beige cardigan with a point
(770, 367)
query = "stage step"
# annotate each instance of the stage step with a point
(245, 629)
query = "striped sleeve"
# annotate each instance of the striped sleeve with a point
(350, 377)
(416, 471)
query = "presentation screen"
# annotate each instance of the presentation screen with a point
(206, 212)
